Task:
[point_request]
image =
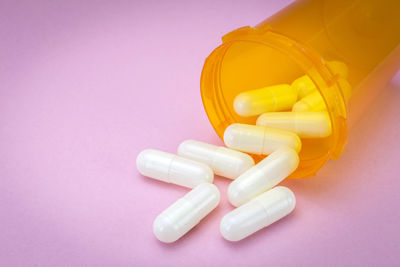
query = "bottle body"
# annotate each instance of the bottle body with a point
(302, 39)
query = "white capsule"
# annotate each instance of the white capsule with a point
(257, 214)
(173, 169)
(186, 213)
(266, 174)
(223, 161)
(305, 124)
(258, 139)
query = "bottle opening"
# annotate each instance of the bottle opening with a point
(243, 65)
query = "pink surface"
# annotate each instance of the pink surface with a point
(86, 85)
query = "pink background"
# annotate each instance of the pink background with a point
(86, 85)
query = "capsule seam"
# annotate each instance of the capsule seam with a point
(213, 165)
(169, 169)
(296, 130)
(198, 219)
(263, 141)
(262, 206)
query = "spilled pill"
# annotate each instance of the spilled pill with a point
(270, 98)
(173, 169)
(186, 213)
(263, 176)
(258, 139)
(305, 124)
(223, 161)
(257, 214)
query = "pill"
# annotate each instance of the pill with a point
(305, 124)
(173, 169)
(304, 86)
(271, 98)
(258, 139)
(186, 212)
(338, 67)
(223, 161)
(266, 174)
(311, 102)
(258, 213)
(315, 102)
(345, 88)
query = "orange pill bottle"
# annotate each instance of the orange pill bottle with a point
(302, 39)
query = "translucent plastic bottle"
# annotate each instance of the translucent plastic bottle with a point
(301, 39)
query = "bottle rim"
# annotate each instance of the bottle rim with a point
(307, 59)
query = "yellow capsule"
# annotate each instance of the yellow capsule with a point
(259, 140)
(315, 102)
(304, 124)
(338, 67)
(346, 88)
(311, 102)
(271, 98)
(304, 86)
